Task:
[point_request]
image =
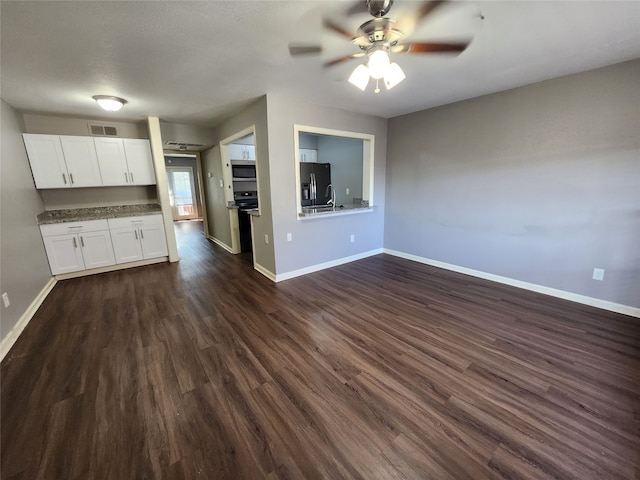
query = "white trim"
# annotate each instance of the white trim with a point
(368, 158)
(221, 243)
(267, 273)
(554, 292)
(23, 321)
(112, 268)
(321, 266)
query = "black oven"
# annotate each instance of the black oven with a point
(243, 170)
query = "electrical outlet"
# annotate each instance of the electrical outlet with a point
(353, 238)
(5, 300)
(347, 191)
(289, 237)
(598, 274)
(266, 238)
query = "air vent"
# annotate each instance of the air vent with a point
(182, 146)
(103, 130)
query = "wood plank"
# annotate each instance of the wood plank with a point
(378, 369)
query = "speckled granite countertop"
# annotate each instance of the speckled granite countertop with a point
(96, 213)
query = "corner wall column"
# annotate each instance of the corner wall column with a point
(155, 139)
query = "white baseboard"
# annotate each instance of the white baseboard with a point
(111, 268)
(321, 266)
(554, 292)
(267, 273)
(23, 321)
(221, 243)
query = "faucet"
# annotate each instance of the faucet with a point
(332, 200)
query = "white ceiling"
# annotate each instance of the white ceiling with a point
(198, 62)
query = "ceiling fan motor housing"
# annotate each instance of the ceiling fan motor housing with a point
(379, 8)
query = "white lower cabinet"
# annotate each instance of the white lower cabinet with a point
(76, 246)
(138, 238)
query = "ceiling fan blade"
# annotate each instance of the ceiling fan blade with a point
(338, 29)
(340, 60)
(427, 8)
(430, 47)
(299, 49)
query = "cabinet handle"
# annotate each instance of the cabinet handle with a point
(71, 177)
(131, 175)
(141, 235)
(81, 241)
(126, 179)
(64, 178)
(135, 232)
(75, 244)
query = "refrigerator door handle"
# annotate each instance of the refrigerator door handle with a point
(313, 186)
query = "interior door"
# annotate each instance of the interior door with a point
(182, 193)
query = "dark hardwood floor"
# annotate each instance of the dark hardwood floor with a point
(379, 369)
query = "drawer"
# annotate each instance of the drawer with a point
(141, 220)
(73, 227)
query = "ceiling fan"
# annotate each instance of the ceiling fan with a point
(376, 39)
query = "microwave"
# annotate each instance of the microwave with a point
(243, 170)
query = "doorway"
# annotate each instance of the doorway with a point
(182, 193)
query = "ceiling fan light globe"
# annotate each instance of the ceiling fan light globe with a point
(360, 77)
(393, 76)
(378, 64)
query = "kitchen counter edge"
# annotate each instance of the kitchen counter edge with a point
(96, 213)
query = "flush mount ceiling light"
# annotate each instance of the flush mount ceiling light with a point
(110, 103)
(379, 66)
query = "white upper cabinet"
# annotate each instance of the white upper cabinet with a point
(62, 161)
(242, 152)
(82, 161)
(125, 161)
(112, 161)
(47, 161)
(308, 155)
(140, 161)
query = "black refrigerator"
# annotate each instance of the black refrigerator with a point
(314, 179)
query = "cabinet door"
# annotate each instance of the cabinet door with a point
(97, 249)
(82, 161)
(47, 160)
(250, 152)
(126, 244)
(140, 162)
(112, 161)
(236, 151)
(64, 253)
(154, 243)
(308, 155)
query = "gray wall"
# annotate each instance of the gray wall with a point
(322, 239)
(23, 262)
(539, 184)
(177, 132)
(217, 211)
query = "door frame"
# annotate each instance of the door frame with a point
(198, 173)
